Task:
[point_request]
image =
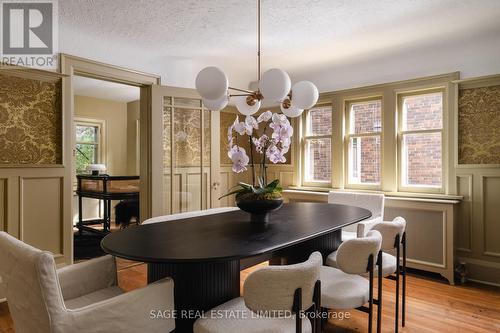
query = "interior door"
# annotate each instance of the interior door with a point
(184, 152)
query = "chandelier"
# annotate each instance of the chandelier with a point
(273, 85)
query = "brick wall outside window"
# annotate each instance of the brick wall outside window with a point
(367, 118)
(319, 150)
(423, 151)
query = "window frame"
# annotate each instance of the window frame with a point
(305, 137)
(100, 143)
(401, 133)
(347, 140)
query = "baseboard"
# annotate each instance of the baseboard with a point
(2, 300)
(482, 271)
(485, 282)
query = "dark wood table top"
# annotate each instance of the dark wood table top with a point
(230, 235)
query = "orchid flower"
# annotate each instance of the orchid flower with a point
(265, 116)
(250, 121)
(239, 158)
(275, 155)
(260, 143)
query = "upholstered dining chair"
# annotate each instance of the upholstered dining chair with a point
(343, 288)
(80, 298)
(274, 299)
(374, 202)
(393, 233)
(186, 215)
(393, 240)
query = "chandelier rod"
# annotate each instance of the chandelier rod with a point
(242, 90)
(258, 39)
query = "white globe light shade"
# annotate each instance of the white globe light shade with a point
(304, 94)
(216, 104)
(292, 111)
(244, 108)
(211, 83)
(275, 84)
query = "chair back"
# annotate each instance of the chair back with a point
(353, 254)
(374, 202)
(389, 231)
(186, 215)
(272, 288)
(31, 285)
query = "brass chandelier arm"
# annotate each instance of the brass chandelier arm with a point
(235, 95)
(241, 90)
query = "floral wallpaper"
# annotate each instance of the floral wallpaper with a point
(187, 137)
(30, 121)
(479, 125)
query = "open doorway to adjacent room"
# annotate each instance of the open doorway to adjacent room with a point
(106, 156)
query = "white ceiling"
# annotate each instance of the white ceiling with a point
(308, 38)
(117, 92)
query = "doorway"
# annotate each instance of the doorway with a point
(105, 161)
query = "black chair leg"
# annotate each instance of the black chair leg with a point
(370, 296)
(403, 307)
(379, 293)
(396, 321)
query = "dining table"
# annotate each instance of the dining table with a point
(204, 254)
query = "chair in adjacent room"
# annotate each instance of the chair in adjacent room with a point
(374, 202)
(80, 298)
(274, 299)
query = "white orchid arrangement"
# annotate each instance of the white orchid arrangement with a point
(272, 143)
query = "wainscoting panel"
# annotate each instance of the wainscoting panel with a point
(41, 213)
(477, 166)
(491, 215)
(3, 204)
(225, 184)
(464, 216)
(425, 233)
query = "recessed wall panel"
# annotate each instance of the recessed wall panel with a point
(491, 211)
(41, 222)
(464, 217)
(424, 232)
(3, 204)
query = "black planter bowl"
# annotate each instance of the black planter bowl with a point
(259, 209)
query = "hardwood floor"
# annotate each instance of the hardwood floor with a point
(433, 306)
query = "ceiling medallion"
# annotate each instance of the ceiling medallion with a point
(274, 85)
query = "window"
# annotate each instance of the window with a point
(364, 119)
(318, 145)
(88, 147)
(420, 140)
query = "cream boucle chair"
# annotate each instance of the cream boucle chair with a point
(343, 288)
(393, 233)
(81, 298)
(374, 202)
(393, 239)
(269, 294)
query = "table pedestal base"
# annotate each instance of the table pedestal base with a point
(198, 287)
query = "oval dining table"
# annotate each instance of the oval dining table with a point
(204, 255)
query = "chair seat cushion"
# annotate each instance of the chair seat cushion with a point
(234, 316)
(388, 263)
(342, 291)
(96, 296)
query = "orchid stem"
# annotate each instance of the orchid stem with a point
(251, 160)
